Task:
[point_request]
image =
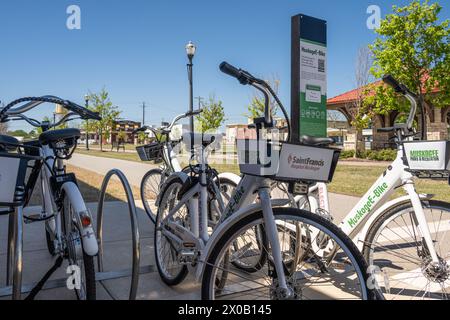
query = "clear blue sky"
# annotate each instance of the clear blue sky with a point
(136, 49)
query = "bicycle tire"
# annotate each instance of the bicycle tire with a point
(309, 217)
(88, 261)
(183, 272)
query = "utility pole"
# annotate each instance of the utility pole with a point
(143, 113)
(200, 99)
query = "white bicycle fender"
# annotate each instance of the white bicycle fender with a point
(90, 245)
(183, 176)
(361, 236)
(230, 176)
(224, 226)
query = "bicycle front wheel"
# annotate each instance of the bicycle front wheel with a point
(341, 275)
(150, 187)
(399, 257)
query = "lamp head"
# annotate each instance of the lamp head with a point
(190, 50)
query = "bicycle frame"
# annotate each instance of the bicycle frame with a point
(240, 205)
(374, 203)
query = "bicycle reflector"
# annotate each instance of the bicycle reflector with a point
(85, 219)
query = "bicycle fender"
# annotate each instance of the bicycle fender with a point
(181, 175)
(90, 245)
(360, 238)
(225, 226)
(230, 176)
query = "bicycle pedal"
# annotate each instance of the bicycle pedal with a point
(187, 256)
(189, 245)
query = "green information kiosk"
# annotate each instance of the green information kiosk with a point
(308, 77)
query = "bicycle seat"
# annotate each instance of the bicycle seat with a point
(316, 142)
(8, 140)
(200, 139)
(5, 141)
(58, 135)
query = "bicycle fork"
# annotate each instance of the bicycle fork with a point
(421, 221)
(274, 242)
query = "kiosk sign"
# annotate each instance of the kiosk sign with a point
(309, 77)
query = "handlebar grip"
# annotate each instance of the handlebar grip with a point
(230, 70)
(386, 129)
(194, 113)
(142, 129)
(391, 81)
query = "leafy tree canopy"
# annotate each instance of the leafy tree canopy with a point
(413, 45)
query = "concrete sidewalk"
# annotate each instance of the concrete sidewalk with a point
(134, 171)
(117, 256)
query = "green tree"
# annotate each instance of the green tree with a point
(212, 117)
(122, 136)
(101, 103)
(19, 133)
(256, 108)
(141, 136)
(414, 47)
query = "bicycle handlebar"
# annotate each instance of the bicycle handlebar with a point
(33, 102)
(245, 78)
(193, 113)
(168, 128)
(411, 96)
(391, 81)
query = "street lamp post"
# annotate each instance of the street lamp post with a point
(86, 99)
(190, 50)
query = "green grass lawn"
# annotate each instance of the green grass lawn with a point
(356, 180)
(348, 179)
(110, 154)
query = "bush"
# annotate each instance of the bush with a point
(345, 154)
(383, 155)
(375, 155)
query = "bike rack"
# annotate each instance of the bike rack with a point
(134, 229)
(14, 268)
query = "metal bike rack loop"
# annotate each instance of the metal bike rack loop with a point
(134, 229)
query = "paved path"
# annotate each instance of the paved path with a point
(359, 163)
(134, 171)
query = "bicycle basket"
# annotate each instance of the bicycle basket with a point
(150, 152)
(287, 161)
(307, 163)
(18, 175)
(427, 159)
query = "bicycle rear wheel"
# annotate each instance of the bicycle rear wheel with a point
(78, 259)
(309, 276)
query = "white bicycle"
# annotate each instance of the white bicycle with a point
(68, 222)
(259, 249)
(404, 240)
(166, 150)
